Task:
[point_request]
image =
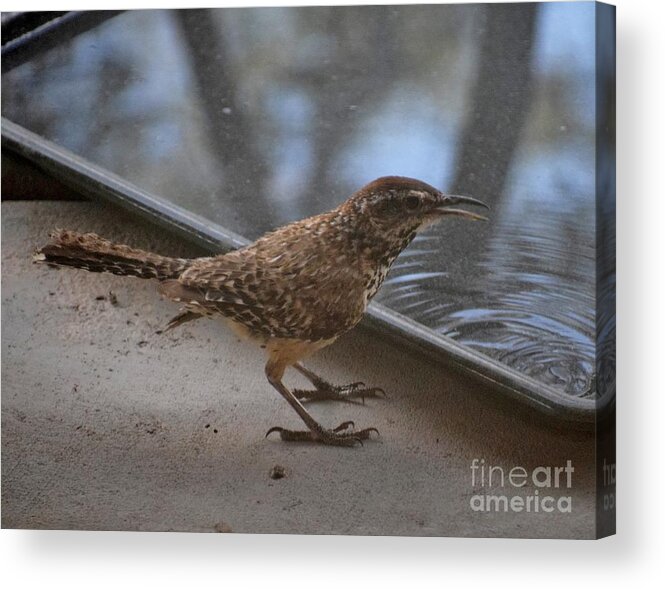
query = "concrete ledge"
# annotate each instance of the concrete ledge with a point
(104, 423)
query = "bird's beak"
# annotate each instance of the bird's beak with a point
(449, 200)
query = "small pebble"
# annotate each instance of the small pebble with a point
(277, 472)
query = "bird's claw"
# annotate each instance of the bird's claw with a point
(346, 393)
(333, 437)
(344, 425)
(377, 390)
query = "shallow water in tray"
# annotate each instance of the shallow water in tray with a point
(538, 321)
(255, 117)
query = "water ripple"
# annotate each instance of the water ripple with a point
(528, 300)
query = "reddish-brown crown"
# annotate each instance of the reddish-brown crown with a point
(393, 183)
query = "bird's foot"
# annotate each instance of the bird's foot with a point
(327, 392)
(331, 437)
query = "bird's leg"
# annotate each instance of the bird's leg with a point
(324, 391)
(316, 433)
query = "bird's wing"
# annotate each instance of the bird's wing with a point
(281, 293)
(227, 285)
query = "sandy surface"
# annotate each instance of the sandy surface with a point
(104, 423)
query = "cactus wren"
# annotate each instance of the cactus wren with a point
(293, 291)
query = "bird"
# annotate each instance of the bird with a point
(293, 291)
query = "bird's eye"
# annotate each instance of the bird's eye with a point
(412, 203)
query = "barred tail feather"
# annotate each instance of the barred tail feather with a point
(90, 252)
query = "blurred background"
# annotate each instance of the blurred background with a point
(255, 117)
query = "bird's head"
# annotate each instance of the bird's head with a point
(399, 206)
